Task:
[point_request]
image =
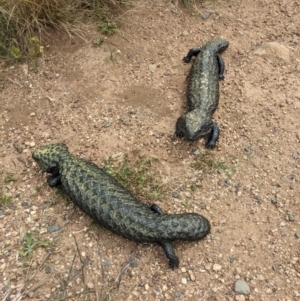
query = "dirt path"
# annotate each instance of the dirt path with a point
(127, 94)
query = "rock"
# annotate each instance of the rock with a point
(297, 235)
(53, 228)
(185, 33)
(295, 155)
(175, 195)
(90, 285)
(205, 15)
(133, 264)
(241, 287)
(282, 224)
(291, 217)
(47, 270)
(273, 49)
(187, 194)
(183, 280)
(217, 267)
(106, 124)
(1, 213)
(152, 67)
(192, 276)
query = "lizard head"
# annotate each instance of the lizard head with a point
(48, 156)
(194, 125)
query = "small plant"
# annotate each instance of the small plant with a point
(193, 187)
(139, 175)
(15, 52)
(35, 49)
(107, 26)
(98, 42)
(30, 244)
(206, 163)
(7, 177)
(5, 199)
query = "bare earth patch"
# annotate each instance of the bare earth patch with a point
(126, 95)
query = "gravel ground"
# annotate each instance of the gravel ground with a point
(126, 95)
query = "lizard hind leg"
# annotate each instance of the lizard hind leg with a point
(169, 251)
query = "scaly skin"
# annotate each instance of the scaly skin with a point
(111, 205)
(203, 93)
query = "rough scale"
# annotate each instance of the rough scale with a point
(111, 205)
(203, 93)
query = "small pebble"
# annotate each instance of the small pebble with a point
(291, 217)
(106, 124)
(90, 285)
(183, 280)
(53, 228)
(297, 235)
(1, 213)
(282, 224)
(175, 195)
(205, 15)
(48, 270)
(217, 267)
(133, 264)
(241, 287)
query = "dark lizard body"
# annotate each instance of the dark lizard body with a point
(203, 93)
(111, 205)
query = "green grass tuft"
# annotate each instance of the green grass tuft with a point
(24, 23)
(207, 163)
(139, 175)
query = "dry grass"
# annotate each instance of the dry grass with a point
(21, 20)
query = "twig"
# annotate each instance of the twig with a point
(14, 81)
(81, 260)
(102, 276)
(125, 267)
(69, 274)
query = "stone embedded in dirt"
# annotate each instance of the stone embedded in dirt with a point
(205, 15)
(291, 217)
(297, 234)
(217, 267)
(295, 155)
(106, 124)
(47, 270)
(133, 264)
(1, 213)
(192, 276)
(53, 228)
(241, 287)
(183, 280)
(282, 224)
(152, 67)
(176, 195)
(273, 49)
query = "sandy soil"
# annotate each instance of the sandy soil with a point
(127, 94)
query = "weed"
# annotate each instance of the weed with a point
(7, 177)
(98, 42)
(35, 48)
(5, 199)
(206, 162)
(21, 21)
(107, 26)
(30, 244)
(193, 187)
(139, 175)
(57, 192)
